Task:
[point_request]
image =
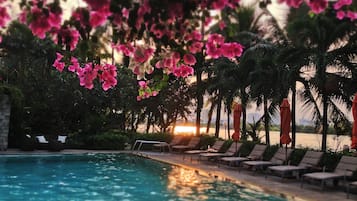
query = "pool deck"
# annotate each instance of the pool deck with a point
(289, 188)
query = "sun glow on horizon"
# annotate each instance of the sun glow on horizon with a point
(186, 130)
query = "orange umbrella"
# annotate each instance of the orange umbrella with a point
(285, 119)
(237, 111)
(354, 126)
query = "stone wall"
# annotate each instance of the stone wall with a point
(4, 121)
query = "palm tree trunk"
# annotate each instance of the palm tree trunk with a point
(210, 113)
(293, 116)
(228, 120)
(244, 112)
(266, 122)
(218, 116)
(324, 122)
(148, 123)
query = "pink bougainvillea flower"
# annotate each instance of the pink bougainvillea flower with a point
(339, 4)
(219, 4)
(213, 51)
(340, 14)
(189, 59)
(4, 16)
(208, 21)
(126, 49)
(183, 71)
(58, 64)
(108, 76)
(125, 12)
(39, 24)
(154, 93)
(231, 50)
(221, 25)
(142, 55)
(292, 3)
(55, 19)
(143, 84)
(195, 47)
(23, 17)
(98, 18)
(74, 66)
(317, 6)
(351, 15)
(87, 75)
(97, 5)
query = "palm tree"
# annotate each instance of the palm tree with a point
(329, 45)
(220, 85)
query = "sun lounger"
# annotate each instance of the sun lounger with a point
(192, 144)
(231, 151)
(310, 161)
(176, 140)
(279, 158)
(62, 138)
(352, 184)
(214, 149)
(255, 154)
(345, 168)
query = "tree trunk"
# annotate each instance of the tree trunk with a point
(293, 116)
(148, 123)
(324, 122)
(244, 101)
(266, 122)
(209, 118)
(228, 120)
(218, 116)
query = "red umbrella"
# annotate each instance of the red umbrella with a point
(285, 119)
(237, 110)
(354, 126)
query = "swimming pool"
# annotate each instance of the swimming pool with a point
(111, 177)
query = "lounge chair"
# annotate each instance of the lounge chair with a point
(349, 186)
(231, 151)
(62, 139)
(176, 140)
(42, 142)
(279, 158)
(255, 154)
(310, 161)
(345, 168)
(214, 149)
(192, 144)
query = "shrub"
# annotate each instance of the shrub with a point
(111, 141)
(28, 143)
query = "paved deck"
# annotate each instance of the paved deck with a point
(289, 188)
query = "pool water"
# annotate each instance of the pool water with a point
(111, 177)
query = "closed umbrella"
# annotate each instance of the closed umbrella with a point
(237, 111)
(285, 119)
(354, 126)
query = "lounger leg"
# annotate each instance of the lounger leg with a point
(348, 191)
(302, 182)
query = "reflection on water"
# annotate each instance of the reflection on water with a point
(303, 140)
(187, 184)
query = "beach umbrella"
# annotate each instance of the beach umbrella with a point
(285, 119)
(354, 126)
(237, 111)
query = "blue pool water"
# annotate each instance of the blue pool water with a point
(111, 177)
